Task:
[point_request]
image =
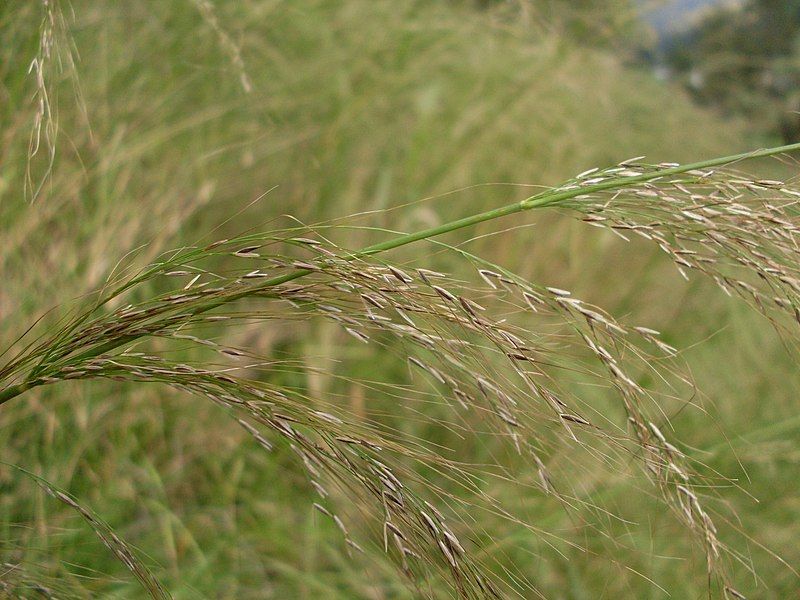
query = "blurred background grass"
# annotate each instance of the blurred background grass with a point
(431, 109)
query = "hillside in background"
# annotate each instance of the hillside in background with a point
(669, 17)
(742, 60)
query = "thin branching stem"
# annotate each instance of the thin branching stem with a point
(543, 199)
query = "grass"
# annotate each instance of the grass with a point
(713, 216)
(349, 121)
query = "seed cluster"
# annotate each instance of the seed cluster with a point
(497, 350)
(739, 231)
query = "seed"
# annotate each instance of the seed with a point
(429, 522)
(375, 301)
(247, 251)
(487, 276)
(449, 555)
(400, 275)
(306, 266)
(444, 293)
(470, 306)
(354, 545)
(340, 524)
(734, 593)
(320, 490)
(361, 337)
(328, 417)
(405, 316)
(426, 274)
(573, 418)
(658, 433)
(507, 417)
(532, 300)
(585, 173)
(193, 281)
(395, 529)
(680, 473)
(558, 291)
(453, 541)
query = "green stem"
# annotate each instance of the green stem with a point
(543, 199)
(13, 391)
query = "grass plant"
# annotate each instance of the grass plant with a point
(737, 230)
(403, 402)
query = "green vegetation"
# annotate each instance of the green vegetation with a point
(746, 61)
(539, 447)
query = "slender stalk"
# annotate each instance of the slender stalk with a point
(541, 200)
(13, 391)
